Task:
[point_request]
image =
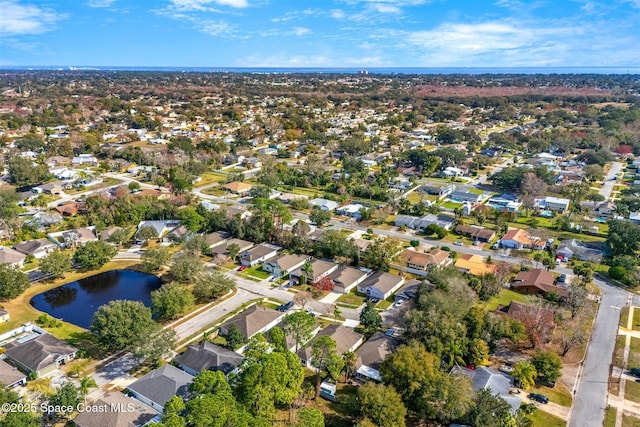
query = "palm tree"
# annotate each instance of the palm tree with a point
(307, 269)
(85, 384)
(336, 313)
(350, 359)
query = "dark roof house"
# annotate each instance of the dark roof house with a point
(206, 355)
(120, 411)
(41, 354)
(158, 386)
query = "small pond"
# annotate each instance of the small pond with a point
(76, 302)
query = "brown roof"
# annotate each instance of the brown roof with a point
(344, 276)
(252, 320)
(10, 256)
(237, 187)
(521, 236)
(535, 277)
(132, 412)
(9, 375)
(287, 261)
(475, 264)
(434, 258)
(519, 311)
(382, 281)
(68, 209)
(344, 337)
(216, 238)
(475, 231)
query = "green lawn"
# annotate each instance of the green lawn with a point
(559, 394)
(630, 421)
(634, 353)
(210, 178)
(451, 205)
(353, 298)
(624, 315)
(618, 351)
(636, 319)
(543, 419)
(255, 272)
(632, 391)
(214, 191)
(504, 298)
(610, 417)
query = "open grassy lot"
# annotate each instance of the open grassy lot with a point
(636, 319)
(559, 394)
(504, 298)
(618, 351)
(353, 298)
(632, 391)
(634, 353)
(255, 272)
(22, 312)
(214, 191)
(630, 421)
(211, 178)
(544, 419)
(624, 315)
(610, 417)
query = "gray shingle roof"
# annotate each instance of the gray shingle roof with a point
(162, 384)
(134, 413)
(206, 355)
(9, 375)
(39, 352)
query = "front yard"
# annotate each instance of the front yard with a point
(255, 272)
(352, 299)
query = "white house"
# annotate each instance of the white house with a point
(380, 285)
(84, 159)
(324, 204)
(258, 254)
(284, 264)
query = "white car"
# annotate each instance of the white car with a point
(399, 303)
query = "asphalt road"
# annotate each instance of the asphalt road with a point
(610, 179)
(590, 400)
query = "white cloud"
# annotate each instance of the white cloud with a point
(26, 19)
(338, 14)
(215, 28)
(385, 8)
(203, 5)
(100, 3)
(301, 31)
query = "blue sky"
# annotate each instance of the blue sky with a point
(320, 33)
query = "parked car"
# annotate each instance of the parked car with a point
(635, 372)
(536, 397)
(242, 268)
(562, 278)
(285, 307)
(458, 243)
(495, 246)
(507, 369)
(399, 303)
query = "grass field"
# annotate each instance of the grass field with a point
(353, 298)
(630, 421)
(504, 298)
(559, 394)
(618, 351)
(632, 391)
(543, 419)
(610, 417)
(255, 272)
(210, 178)
(636, 319)
(22, 312)
(624, 315)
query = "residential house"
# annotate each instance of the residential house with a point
(476, 232)
(284, 264)
(38, 248)
(162, 227)
(423, 261)
(158, 386)
(371, 354)
(409, 290)
(537, 282)
(119, 410)
(83, 159)
(40, 353)
(208, 356)
(517, 238)
(178, 234)
(10, 376)
(69, 208)
(253, 320)
(362, 244)
(423, 222)
(474, 265)
(345, 278)
(605, 210)
(11, 257)
(258, 254)
(505, 202)
(216, 238)
(54, 188)
(498, 383)
(466, 195)
(45, 219)
(380, 285)
(237, 187)
(288, 197)
(555, 204)
(75, 237)
(290, 340)
(223, 247)
(584, 251)
(324, 204)
(319, 270)
(106, 234)
(346, 339)
(4, 316)
(437, 190)
(451, 171)
(233, 211)
(542, 317)
(209, 206)
(352, 210)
